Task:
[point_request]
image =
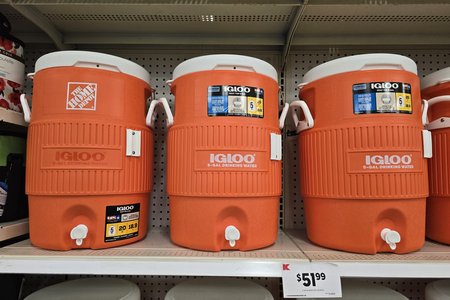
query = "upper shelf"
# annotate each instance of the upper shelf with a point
(70, 23)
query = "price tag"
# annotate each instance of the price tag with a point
(311, 280)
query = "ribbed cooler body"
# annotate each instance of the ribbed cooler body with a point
(361, 173)
(219, 171)
(438, 204)
(77, 168)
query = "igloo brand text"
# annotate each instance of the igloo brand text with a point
(232, 158)
(239, 89)
(384, 85)
(79, 156)
(393, 161)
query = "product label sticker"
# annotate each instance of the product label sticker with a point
(235, 100)
(81, 96)
(382, 97)
(122, 222)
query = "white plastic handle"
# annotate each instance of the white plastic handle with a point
(309, 121)
(439, 123)
(25, 108)
(31, 75)
(151, 114)
(169, 82)
(283, 115)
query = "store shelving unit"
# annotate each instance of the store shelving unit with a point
(294, 36)
(11, 117)
(9, 230)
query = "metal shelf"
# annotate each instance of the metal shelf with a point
(70, 23)
(12, 117)
(432, 261)
(155, 255)
(9, 230)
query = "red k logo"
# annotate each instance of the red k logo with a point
(286, 267)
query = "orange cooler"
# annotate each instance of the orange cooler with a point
(436, 89)
(89, 152)
(224, 154)
(363, 172)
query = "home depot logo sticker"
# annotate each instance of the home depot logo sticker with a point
(81, 96)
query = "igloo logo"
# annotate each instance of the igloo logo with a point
(389, 160)
(232, 158)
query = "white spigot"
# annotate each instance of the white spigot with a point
(391, 237)
(78, 233)
(232, 234)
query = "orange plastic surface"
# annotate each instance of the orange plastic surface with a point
(438, 204)
(206, 197)
(76, 162)
(362, 172)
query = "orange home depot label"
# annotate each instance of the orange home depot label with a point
(231, 160)
(81, 158)
(384, 161)
(81, 96)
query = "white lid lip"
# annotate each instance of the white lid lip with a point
(362, 62)
(88, 59)
(435, 78)
(225, 62)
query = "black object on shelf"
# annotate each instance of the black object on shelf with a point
(16, 205)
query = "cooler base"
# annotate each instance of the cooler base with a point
(355, 225)
(52, 218)
(438, 219)
(200, 223)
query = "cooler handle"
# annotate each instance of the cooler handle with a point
(151, 114)
(443, 122)
(25, 108)
(302, 125)
(283, 115)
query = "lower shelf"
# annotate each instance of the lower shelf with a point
(9, 230)
(156, 255)
(432, 261)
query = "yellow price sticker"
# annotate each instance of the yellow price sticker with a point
(124, 228)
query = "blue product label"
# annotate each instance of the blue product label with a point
(382, 97)
(235, 100)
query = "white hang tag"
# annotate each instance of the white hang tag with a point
(427, 144)
(275, 146)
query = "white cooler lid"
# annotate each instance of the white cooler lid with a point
(438, 290)
(213, 288)
(87, 59)
(89, 289)
(375, 61)
(435, 78)
(353, 289)
(225, 62)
